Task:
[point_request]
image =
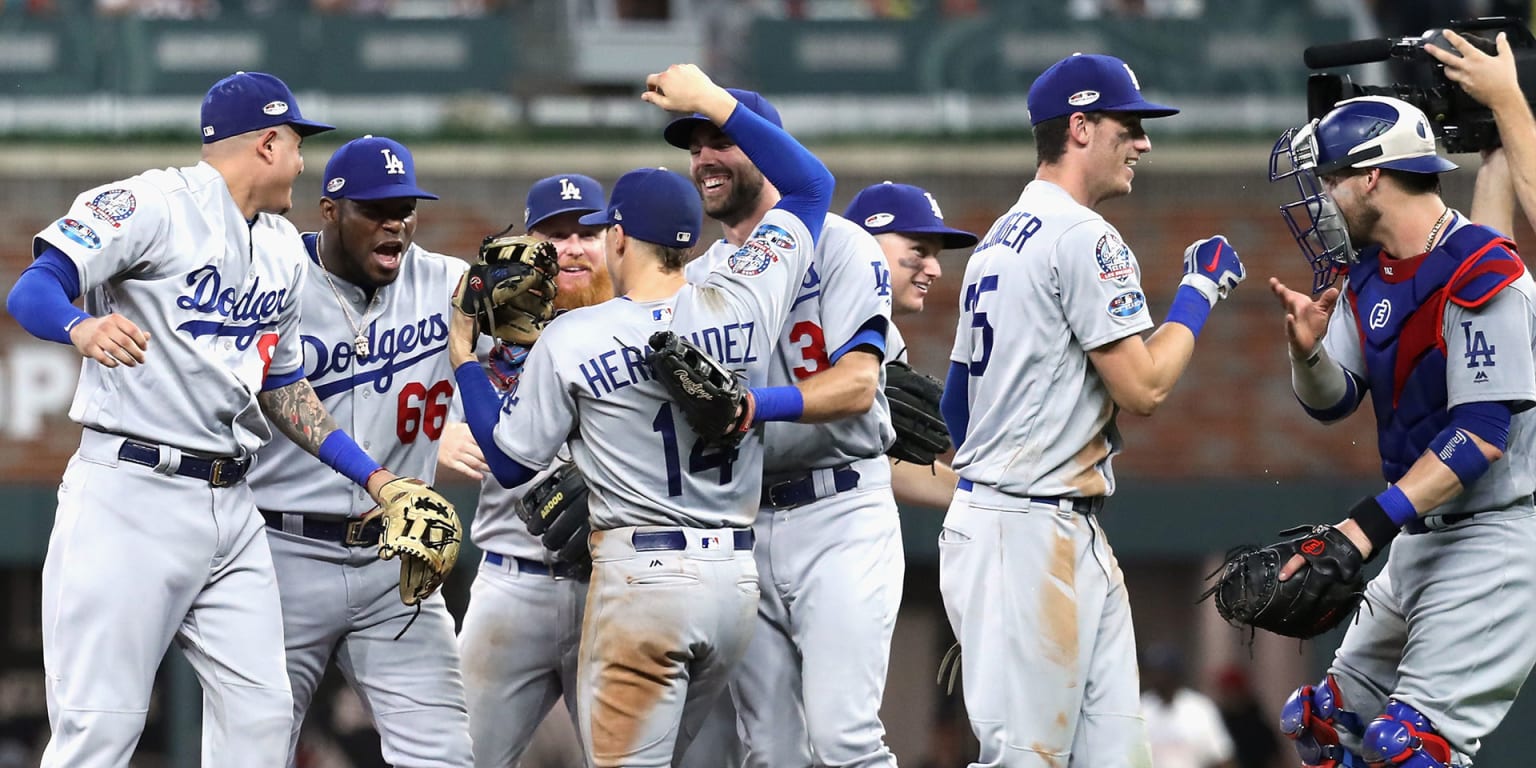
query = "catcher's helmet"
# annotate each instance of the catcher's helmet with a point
(1364, 132)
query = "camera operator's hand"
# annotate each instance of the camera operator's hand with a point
(1489, 79)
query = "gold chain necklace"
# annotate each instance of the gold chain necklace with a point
(1434, 234)
(360, 339)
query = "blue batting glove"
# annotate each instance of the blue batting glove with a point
(506, 363)
(1212, 268)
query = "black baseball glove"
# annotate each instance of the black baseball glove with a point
(914, 400)
(510, 289)
(1314, 600)
(717, 404)
(555, 510)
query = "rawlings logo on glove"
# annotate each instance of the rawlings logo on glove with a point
(1315, 599)
(715, 403)
(510, 289)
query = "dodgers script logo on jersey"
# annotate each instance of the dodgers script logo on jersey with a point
(256, 308)
(396, 348)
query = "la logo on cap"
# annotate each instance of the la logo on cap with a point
(275, 108)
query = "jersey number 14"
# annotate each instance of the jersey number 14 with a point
(699, 459)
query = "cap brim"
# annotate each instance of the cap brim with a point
(391, 192)
(310, 127)
(1426, 164)
(948, 237)
(582, 209)
(596, 219)
(1142, 109)
(679, 132)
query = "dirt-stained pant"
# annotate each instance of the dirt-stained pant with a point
(669, 614)
(1048, 654)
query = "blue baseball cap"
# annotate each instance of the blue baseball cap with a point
(1086, 82)
(372, 168)
(679, 132)
(568, 193)
(655, 205)
(903, 208)
(250, 101)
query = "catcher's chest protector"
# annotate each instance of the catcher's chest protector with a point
(1399, 308)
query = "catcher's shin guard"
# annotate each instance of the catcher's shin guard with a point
(1311, 719)
(1404, 738)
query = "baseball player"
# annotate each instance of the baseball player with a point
(192, 281)
(375, 310)
(523, 625)
(1434, 322)
(674, 586)
(909, 226)
(1029, 581)
(829, 551)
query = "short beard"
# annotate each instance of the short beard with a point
(1360, 230)
(746, 190)
(599, 288)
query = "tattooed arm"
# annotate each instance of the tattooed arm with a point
(297, 412)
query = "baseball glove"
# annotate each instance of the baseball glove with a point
(510, 289)
(717, 405)
(555, 510)
(1314, 600)
(914, 399)
(422, 528)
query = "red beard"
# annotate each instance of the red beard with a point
(598, 289)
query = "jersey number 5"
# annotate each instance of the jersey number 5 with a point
(981, 334)
(423, 410)
(698, 459)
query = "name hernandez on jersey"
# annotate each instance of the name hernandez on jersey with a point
(586, 382)
(170, 251)
(845, 291)
(1041, 419)
(394, 402)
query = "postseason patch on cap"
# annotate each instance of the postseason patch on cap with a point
(1083, 98)
(878, 220)
(275, 108)
(335, 185)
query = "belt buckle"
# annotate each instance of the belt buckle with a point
(216, 474)
(355, 534)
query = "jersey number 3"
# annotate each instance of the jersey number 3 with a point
(698, 459)
(423, 410)
(808, 339)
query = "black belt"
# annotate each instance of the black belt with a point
(219, 472)
(1082, 505)
(801, 489)
(353, 532)
(1416, 525)
(654, 541)
(524, 565)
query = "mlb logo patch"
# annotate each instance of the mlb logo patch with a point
(1127, 304)
(662, 314)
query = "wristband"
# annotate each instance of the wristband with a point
(778, 403)
(1460, 454)
(1375, 523)
(1190, 309)
(1397, 506)
(341, 453)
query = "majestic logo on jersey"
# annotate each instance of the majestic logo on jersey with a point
(1478, 348)
(1114, 258)
(1380, 314)
(113, 206)
(396, 348)
(80, 233)
(1127, 304)
(878, 220)
(1083, 98)
(252, 310)
(569, 191)
(275, 108)
(392, 164)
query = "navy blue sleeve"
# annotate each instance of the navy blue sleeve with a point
(1489, 421)
(278, 381)
(482, 409)
(800, 177)
(954, 405)
(1344, 407)
(43, 298)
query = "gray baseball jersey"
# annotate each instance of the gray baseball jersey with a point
(895, 345)
(394, 402)
(1041, 420)
(163, 250)
(846, 289)
(587, 382)
(497, 527)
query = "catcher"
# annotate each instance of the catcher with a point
(909, 226)
(1434, 320)
(359, 582)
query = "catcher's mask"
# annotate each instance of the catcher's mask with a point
(1364, 132)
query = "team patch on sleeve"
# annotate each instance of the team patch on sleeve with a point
(753, 258)
(1114, 258)
(777, 236)
(113, 206)
(80, 233)
(1127, 304)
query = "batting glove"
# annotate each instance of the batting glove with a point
(1212, 268)
(506, 364)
